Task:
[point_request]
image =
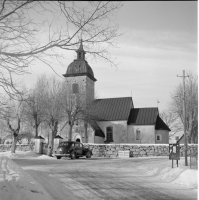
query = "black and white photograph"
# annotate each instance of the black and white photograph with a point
(98, 100)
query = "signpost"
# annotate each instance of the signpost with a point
(174, 152)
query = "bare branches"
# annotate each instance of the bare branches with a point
(58, 26)
(191, 101)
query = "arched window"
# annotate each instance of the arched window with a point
(75, 88)
(109, 134)
(138, 134)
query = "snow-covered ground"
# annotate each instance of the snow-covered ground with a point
(17, 184)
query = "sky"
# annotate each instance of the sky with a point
(158, 42)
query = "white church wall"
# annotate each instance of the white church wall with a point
(98, 140)
(78, 132)
(119, 130)
(147, 134)
(91, 135)
(164, 136)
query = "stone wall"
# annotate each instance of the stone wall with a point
(111, 150)
(139, 150)
(20, 147)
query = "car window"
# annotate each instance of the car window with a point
(65, 144)
(76, 144)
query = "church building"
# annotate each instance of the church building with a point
(117, 120)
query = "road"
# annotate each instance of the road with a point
(103, 179)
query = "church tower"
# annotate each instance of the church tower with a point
(80, 77)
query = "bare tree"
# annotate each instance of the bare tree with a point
(172, 121)
(13, 115)
(34, 110)
(77, 108)
(38, 30)
(52, 108)
(73, 106)
(191, 101)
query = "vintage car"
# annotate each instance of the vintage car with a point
(72, 149)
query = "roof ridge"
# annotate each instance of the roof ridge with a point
(114, 98)
(144, 107)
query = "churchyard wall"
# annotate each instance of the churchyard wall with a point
(136, 150)
(19, 147)
(111, 150)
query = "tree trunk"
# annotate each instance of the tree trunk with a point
(86, 132)
(15, 133)
(36, 127)
(36, 130)
(50, 144)
(51, 138)
(70, 132)
(14, 142)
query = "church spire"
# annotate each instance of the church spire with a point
(80, 52)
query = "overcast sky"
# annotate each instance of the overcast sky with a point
(159, 41)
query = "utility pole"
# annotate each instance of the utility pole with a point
(184, 117)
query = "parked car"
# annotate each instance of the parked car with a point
(72, 149)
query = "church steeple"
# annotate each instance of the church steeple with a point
(80, 67)
(80, 52)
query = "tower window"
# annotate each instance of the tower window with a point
(79, 55)
(138, 134)
(75, 88)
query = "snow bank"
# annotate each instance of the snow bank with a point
(25, 154)
(17, 184)
(180, 175)
(188, 178)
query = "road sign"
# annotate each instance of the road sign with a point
(174, 152)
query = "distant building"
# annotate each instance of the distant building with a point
(116, 119)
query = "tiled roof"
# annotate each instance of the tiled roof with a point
(79, 68)
(160, 125)
(58, 136)
(143, 116)
(112, 109)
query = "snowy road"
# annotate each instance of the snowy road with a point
(107, 179)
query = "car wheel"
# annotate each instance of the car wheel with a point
(73, 155)
(88, 154)
(58, 157)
